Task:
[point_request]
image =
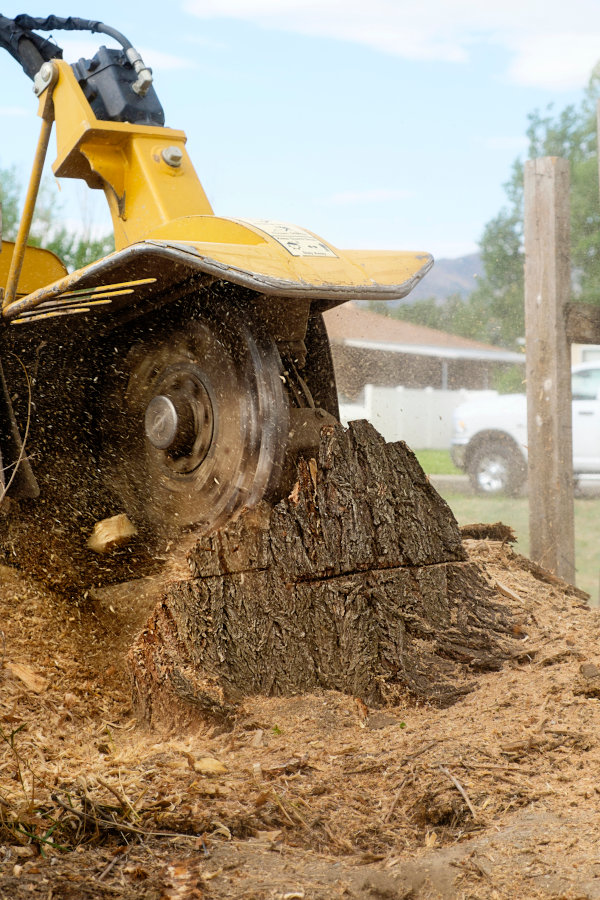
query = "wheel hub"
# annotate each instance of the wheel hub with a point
(161, 422)
(181, 423)
(180, 419)
(492, 475)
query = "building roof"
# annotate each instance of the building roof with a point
(354, 327)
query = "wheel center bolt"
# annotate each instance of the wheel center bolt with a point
(170, 425)
(161, 422)
(180, 422)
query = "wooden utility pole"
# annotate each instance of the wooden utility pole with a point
(548, 364)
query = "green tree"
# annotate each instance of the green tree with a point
(494, 312)
(10, 192)
(497, 302)
(75, 248)
(572, 134)
(454, 315)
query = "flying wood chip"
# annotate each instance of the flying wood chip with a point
(111, 533)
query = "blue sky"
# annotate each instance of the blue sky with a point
(384, 124)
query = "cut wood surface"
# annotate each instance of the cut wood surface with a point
(357, 582)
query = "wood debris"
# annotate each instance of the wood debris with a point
(111, 533)
(336, 804)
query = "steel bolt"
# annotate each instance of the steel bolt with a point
(173, 156)
(46, 71)
(43, 78)
(161, 422)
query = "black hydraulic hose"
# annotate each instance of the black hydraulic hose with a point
(29, 49)
(71, 23)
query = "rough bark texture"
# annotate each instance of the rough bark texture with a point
(357, 582)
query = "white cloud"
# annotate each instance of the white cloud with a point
(549, 45)
(555, 60)
(376, 195)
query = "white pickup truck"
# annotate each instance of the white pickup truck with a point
(489, 438)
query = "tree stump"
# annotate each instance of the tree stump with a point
(357, 582)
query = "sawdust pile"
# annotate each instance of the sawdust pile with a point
(307, 797)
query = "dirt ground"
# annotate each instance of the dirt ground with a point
(305, 797)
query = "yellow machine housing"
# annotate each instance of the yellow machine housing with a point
(165, 228)
(179, 378)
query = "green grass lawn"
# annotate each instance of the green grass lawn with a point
(515, 512)
(437, 462)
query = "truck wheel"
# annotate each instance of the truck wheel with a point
(496, 469)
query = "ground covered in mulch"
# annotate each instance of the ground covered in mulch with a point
(306, 797)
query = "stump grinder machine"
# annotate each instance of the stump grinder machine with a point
(178, 377)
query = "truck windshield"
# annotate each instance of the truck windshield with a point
(586, 385)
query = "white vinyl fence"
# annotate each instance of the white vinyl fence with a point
(422, 418)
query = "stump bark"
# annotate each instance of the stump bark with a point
(357, 582)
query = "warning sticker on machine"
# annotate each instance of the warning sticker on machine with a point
(296, 240)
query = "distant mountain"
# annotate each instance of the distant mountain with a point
(448, 276)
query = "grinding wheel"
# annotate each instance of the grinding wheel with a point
(197, 429)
